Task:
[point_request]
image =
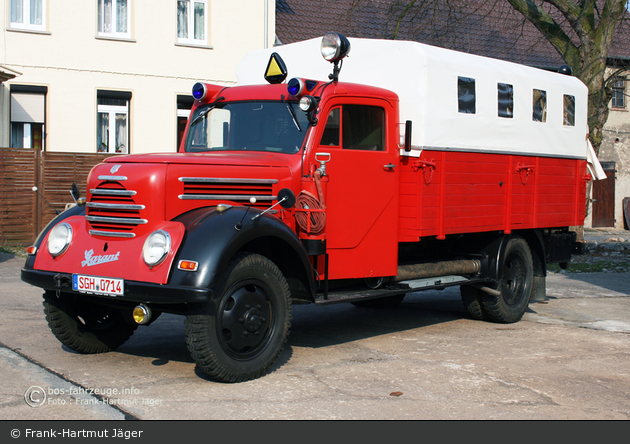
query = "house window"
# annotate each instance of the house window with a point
(619, 94)
(192, 22)
(113, 18)
(27, 14)
(506, 100)
(112, 122)
(568, 117)
(28, 112)
(539, 106)
(466, 95)
(184, 105)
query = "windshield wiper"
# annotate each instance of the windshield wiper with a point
(205, 111)
(290, 108)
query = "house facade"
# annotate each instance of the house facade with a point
(115, 76)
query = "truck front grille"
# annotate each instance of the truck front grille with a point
(112, 211)
(235, 191)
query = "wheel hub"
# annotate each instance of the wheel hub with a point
(253, 319)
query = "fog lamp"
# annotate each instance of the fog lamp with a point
(141, 314)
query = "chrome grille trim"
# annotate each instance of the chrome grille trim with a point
(223, 180)
(234, 197)
(116, 220)
(106, 192)
(113, 178)
(106, 206)
(111, 234)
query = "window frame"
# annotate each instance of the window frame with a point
(465, 86)
(190, 23)
(100, 16)
(112, 111)
(540, 106)
(31, 125)
(26, 9)
(335, 126)
(618, 91)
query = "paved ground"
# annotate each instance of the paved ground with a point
(569, 358)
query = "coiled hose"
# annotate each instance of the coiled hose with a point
(310, 211)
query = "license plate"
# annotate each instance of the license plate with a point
(98, 285)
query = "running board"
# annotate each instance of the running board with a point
(403, 287)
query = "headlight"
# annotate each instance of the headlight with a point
(334, 47)
(156, 247)
(308, 103)
(59, 239)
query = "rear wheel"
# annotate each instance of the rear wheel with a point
(515, 284)
(247, 332)
(472, 298)
(84, 326)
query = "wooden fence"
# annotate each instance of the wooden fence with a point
(23, 212)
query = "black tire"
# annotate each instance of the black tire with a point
(251, 325)
(515, 284)
(472, 298)
(387, 302)
(84, 326)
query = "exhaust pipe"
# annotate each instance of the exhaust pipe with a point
(437, 269)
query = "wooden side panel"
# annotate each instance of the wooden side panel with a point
(475, 192)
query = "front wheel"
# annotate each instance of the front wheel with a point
(247, 331)
(515, 284)
(84, 326)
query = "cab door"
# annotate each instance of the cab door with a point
(361, 188)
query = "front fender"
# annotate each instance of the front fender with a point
(78, 210)
(213, 238)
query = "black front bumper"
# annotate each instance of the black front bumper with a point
(144, 292)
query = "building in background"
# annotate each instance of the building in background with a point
(115, 76)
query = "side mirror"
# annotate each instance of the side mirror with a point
(408, 135)
(75, 191)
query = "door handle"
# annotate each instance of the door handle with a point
(390, 166)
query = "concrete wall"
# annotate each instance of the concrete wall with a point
(74, 62)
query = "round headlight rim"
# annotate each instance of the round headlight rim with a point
(166, 250)
(67, 240)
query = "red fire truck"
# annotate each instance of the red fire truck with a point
(432, 168)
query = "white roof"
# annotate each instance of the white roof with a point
(426, 77)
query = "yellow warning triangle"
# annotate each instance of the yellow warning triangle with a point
(276, 70)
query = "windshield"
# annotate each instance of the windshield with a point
(250, 126)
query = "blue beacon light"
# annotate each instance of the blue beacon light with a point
(295, 87)
(199, 91)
